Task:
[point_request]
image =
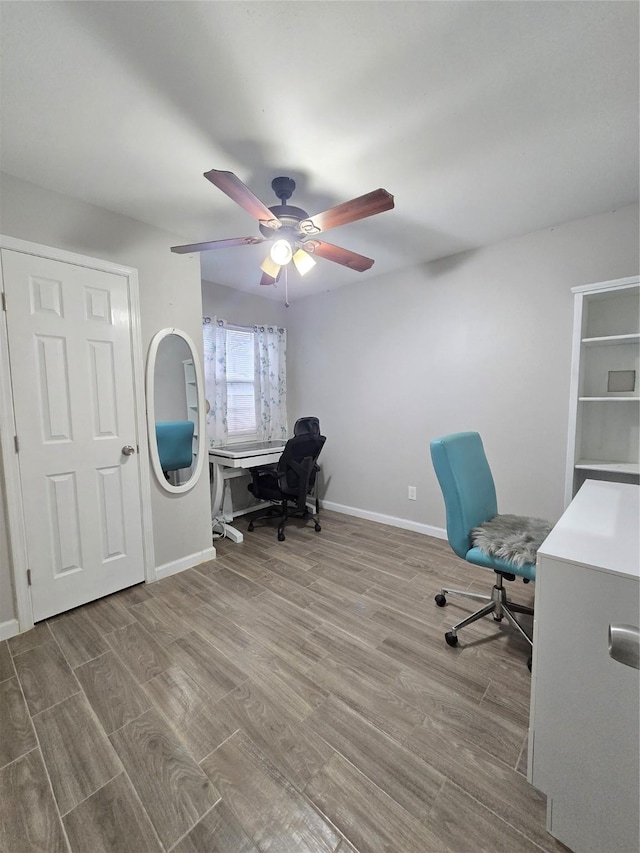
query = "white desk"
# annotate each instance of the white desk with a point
(228, 462)
(585, 706)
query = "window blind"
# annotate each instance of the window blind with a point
(241, 406)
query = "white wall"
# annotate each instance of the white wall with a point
(240, 308)
(477, 341)
(170, 295)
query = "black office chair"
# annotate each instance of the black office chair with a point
(310, 426)
(307, 426)
(289, 485)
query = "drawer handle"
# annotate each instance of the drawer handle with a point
(624, 644)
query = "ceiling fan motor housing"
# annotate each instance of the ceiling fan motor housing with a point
(283, 188)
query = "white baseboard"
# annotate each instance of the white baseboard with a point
(183, 563)
(9, 629)
(404, 523)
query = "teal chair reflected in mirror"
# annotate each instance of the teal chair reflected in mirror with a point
(470, 501)
(175, 445)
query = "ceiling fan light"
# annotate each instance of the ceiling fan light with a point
(303, 261)
(270, 267)
(281, 252)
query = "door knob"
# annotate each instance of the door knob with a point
(127, 450)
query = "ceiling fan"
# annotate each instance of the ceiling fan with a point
(291, 230)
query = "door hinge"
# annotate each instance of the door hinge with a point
(16, 443)
(4, 301)
(29, 576)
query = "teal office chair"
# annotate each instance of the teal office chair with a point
(470, 500)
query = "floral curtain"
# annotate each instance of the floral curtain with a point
(270, 350)
(214, 333)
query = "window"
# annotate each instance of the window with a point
(245, 382)
(241, 398)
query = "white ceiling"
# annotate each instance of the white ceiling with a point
(486, 120)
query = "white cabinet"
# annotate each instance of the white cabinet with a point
(585, 706)
(604, 410)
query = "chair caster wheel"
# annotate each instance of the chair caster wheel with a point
(440, 600)
(280, 537)
(318, 528)
(451, 638)
(250, 527)
(529, 663)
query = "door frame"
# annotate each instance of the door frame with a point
(17, 543)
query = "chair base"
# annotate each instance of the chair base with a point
(497, 603)
(282, 513)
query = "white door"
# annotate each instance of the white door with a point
(71, 360)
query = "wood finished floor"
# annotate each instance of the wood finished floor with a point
(285, 697)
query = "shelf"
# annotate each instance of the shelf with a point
(611, 340)
(613, 467)
(607, 399)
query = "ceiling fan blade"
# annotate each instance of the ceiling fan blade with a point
(267, 279)
(242, 195)
(340, 256)
(217, 244)
(349, 211)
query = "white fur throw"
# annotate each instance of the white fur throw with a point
(515, 538)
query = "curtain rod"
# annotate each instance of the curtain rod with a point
(255, 328)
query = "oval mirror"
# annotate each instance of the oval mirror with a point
(176, 417)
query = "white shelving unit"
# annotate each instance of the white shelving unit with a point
(604, 425)
(192, 400)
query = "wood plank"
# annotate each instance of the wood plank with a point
(488, 779)
(38, 635)
(29, 820)
(372, 698)
(283, 683)
(423, 658)
(140, 651)
(235, 583)
(6, 666)
(109, 613)
(409, 780)
(133, 595)
(160, 621)
(188, 708)
(17, 736)
(45, 676)
(172, 788)
(287, 589)
(272, 812)
(112, 691)
(480, 830)
(207, 665)
(78, 637)
(289, 745)
(217, 832)
(369, 818)
(341, 577)
(289, 571)
(112, 821)
(223, 634)
(78, 756)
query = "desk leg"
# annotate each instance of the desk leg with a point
(218, 515)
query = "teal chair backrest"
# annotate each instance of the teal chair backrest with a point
(175, 444)
(467, 485)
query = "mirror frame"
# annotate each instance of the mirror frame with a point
(203, 445)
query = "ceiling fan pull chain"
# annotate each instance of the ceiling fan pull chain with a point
(286, 287)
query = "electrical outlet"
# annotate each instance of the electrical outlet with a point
(412, 493)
